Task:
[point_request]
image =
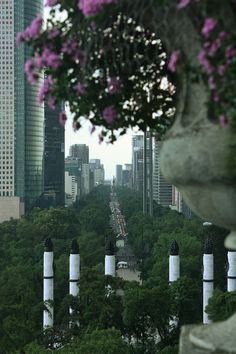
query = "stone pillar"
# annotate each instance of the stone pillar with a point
(174, 264)
(110, 260)
(208, 277)
(231, 275)
(74, 269)
(48, 284)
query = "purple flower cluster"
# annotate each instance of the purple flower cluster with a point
(114, 85)
(183, 3)
(62, 118)
(93, 7)
(208, 27)
(172, 64)
(71, 48)
(45, 89)
(51, 3)
(110, 114)
(31, 32)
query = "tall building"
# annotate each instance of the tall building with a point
(162, 190)
(54, 161)
(73, 168)
(22, 118)
(81, 151)
(127, 176)
(98, 172)
(137, 162)
(119, 175)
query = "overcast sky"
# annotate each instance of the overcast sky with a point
(109, 154)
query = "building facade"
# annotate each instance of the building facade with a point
(80, 151)
(119, 169)
(54, 161)
(137, 162)
(162, 190)
(22, 118)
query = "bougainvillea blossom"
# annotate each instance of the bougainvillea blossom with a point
(174, 58)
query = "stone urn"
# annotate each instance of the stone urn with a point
(198, 156)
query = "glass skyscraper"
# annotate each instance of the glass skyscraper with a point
(21, 117)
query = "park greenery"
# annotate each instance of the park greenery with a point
(135, 323)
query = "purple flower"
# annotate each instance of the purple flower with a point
(222, 120)
(80, 88)
(51, 58)
(20, 37)
(35, 27)
(114, 85)
(208, 27)
(183, 3)
(172, 64)
(62, 118)
(45, 89)
(32, 76)
(230, 52)
(51, 2)
(53, 33)
(109, 114)
(202, 58)
(51, 102)
(214, 47)
(221, 69)
(93, 7)
(69, 46)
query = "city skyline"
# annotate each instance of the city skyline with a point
(110, 155)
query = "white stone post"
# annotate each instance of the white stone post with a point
(174, 264)
(208, 277)
(110, 260)
(74, 267)
(231, 275)
(48, 284)
(174, 273)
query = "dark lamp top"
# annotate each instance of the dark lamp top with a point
(110, 250)
(74, 247)
(208, 246)
(174, 248)
(48, 246)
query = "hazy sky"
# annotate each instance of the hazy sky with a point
(110, 154)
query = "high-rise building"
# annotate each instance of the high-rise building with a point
(127, 176)
(54, 161)
(22, 118)
(73, 168)
(162, 190)
(81, 151)
(137, 162)
(119, 175)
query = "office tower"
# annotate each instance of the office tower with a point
(80, 151)
(97, 171)
(85, 179)
(119, 175)
(54, 161)
(22, 127)
(137, 162)
(127, 176)
(162, 190)
(73, 170)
